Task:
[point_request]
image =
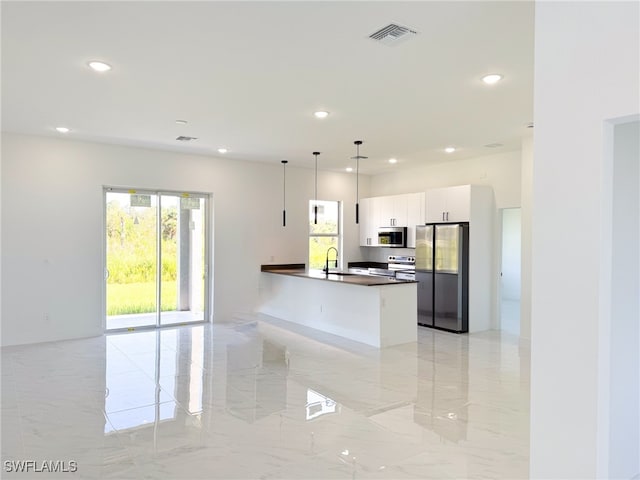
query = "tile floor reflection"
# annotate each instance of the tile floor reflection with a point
(263, 399)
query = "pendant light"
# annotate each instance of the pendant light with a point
(315, 202)
(284, 192)
(357, 158)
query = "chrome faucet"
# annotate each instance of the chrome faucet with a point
(326, 262)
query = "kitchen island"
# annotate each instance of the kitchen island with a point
(378, 311)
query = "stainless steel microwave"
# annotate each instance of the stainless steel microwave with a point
(392, 236)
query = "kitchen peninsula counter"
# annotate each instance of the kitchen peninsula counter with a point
(342, 277)
(378, 311)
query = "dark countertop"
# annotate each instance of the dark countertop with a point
(283, 266)
(367, 264)
(299, 270)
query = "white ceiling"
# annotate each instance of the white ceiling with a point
(249, 75)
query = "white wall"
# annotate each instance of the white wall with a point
(499, 171)
(52, 259)
(526, 221)
(511, 245)
(587, 72)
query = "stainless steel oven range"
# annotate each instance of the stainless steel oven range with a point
(403, 266)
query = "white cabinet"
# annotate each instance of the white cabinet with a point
(368, 222)
(438, 205)
(451, 204)
(384, 211)
(415, 216)
(392, 211)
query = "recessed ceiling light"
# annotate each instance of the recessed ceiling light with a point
(450, 149)
(492, 78)
(181, 122)
(393, 160)
(349, 169)
(62, 130)
(222, 150)
(321, 114)
(99, 66)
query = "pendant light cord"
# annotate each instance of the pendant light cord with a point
(284, 192)
(358, 157)
(357, 173)
(315, 205)
(357, 190)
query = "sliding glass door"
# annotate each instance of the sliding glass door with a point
(182, 241)
(156, 257)
(131, 259)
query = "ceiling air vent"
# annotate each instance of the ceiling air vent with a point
(393, 34)
(182, 138)
(494, 145)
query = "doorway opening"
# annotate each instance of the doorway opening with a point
(510, 285)
(156, 257)
(619, 342)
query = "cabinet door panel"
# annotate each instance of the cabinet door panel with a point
(399, 205)
(365, 221)
(458, 203)
(373, 221)
(384, 208)
(415, 216)
(435, 204)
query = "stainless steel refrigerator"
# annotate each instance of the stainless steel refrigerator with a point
(442, 273)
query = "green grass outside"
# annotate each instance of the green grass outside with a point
(318, 247)
(129, 298)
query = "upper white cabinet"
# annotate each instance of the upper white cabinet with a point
(463, 203)
(451, 204)
(415, 216)
(392, 211)
(368, 222)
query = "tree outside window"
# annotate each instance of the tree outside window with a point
(325, 234)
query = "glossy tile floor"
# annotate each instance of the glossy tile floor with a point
(261, 399)
(115, 322)
(510, 316)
